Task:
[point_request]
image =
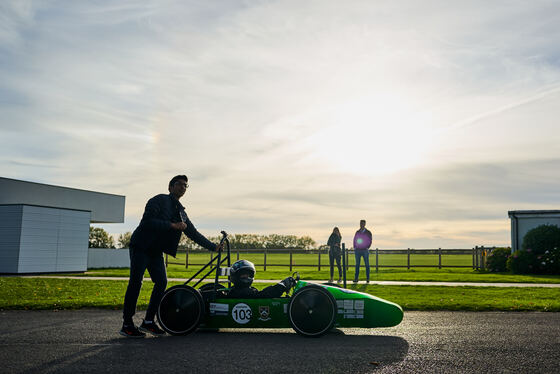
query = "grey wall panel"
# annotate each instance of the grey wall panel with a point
(53, 240)
(108, 258)
(42, 239)
(73, 237)
(9, 264)
(10, 236)
(28, 241)
(10, 223)
(34, 268)
(9, 255)
(103, 207)
(39, 253)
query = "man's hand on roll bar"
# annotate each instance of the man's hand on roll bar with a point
(220, 246)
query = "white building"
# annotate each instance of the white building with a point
(45, 228)
(524, 220)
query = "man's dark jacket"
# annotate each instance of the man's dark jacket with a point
(362, 240)
(154, 235)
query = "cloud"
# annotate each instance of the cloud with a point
(15, 17)
(291, 116)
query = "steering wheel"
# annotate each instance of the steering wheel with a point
(295, 275)
(224, 238)
(296, 278)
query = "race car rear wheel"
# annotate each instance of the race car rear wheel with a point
(312, 311)
(180, 310)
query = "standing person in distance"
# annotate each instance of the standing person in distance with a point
(362, 242)
(159, 232)
(335, 253)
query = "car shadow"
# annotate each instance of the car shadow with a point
(265, 351)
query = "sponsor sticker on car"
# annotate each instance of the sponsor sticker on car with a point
(352, 309)
(219, 309)
(264, 313)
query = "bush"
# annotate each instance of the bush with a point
(549, 261)
(539, 252)
(542, 238)
(522, 262)
(496, 260)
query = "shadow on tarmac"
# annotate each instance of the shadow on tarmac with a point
(227, 350)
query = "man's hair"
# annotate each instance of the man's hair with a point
(176, 178)
(363, 220)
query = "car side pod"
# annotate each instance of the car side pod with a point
(360, 309)
(181, 310)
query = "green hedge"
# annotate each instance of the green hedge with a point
(497, 259)
(540, 252)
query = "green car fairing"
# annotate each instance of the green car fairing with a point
(311, 310)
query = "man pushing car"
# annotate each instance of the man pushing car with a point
(159, 232)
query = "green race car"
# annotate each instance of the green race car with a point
(310, 309)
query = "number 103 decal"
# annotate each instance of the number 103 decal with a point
(241, 313)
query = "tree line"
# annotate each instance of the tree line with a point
(99, 238)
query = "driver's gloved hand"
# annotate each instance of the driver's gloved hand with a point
(289, 282)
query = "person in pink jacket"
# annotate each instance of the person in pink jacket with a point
(362, 242)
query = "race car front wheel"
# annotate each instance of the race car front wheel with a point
(312, 311)
(180, 310)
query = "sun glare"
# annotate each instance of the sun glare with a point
(371, 137)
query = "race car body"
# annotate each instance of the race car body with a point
(311, 309)
(353, 309)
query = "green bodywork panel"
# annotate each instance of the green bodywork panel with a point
(355, 309)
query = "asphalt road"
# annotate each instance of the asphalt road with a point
(86, 341)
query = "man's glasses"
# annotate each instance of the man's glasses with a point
(186, 185)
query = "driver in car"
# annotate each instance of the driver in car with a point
(242, 274)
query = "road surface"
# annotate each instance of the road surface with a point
(86, 341)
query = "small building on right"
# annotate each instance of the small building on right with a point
(524, 220)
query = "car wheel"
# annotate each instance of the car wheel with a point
(312, 311)
(180, 310)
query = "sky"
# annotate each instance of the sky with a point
(431, 119)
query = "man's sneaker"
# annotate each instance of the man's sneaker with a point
(131, 332)
(151, 328)
(355, 281)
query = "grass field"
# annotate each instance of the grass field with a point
(306, 265)
(42, 293)
(50, 293)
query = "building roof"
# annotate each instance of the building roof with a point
(518, 213)
(104, 207)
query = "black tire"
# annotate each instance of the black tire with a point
(312, 311)
(180, 310)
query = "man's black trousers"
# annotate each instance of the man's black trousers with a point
(139, 262)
